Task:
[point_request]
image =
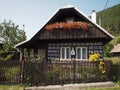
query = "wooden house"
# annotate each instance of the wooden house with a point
(69, 34)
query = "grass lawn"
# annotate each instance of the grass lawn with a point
(106, 88)
(11, 87)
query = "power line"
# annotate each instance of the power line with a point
(100, 17)
(105, 4)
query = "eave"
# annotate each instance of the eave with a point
(33, 39)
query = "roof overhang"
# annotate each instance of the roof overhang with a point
(68, 7)
(116, 49)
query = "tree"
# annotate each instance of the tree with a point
(107, 49)
(110, 19)
(10, 35)
(118, 40)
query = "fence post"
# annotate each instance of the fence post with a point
(22, 71)
(74, 70)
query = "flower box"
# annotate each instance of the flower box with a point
(69, 26)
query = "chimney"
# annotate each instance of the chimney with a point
(93, 16)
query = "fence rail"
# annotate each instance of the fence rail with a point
(47, 73)
(115, 72)
(9, 72)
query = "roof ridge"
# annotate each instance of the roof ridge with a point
(67, 6)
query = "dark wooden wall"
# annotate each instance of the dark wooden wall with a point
(53, 50)
(93, 32)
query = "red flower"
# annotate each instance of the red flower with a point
(69, 26)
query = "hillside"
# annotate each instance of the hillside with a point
(110, 19)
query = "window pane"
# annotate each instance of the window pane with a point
(63, 53)
(67, 53)
(84, 53)
(79, 53)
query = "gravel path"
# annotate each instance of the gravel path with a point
(72, 86)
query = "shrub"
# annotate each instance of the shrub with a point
(95, 58)
(115, 68)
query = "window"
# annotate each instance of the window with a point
(65, 53)
(81, 53)
(41, 53)
(69, 20)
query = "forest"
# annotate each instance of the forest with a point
(109, 19)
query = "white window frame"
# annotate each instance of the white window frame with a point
(65, 53)
(81, 53)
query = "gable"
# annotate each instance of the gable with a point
(62, 14)
(95, 32)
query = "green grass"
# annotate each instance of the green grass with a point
(18, 87)
(11, 87)
(106, 88)
(116, 87)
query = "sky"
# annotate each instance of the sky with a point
(34, 13)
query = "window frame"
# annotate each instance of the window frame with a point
(65, 53)
(81, 48)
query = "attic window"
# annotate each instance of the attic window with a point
(69, 20)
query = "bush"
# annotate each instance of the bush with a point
(115, 69)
